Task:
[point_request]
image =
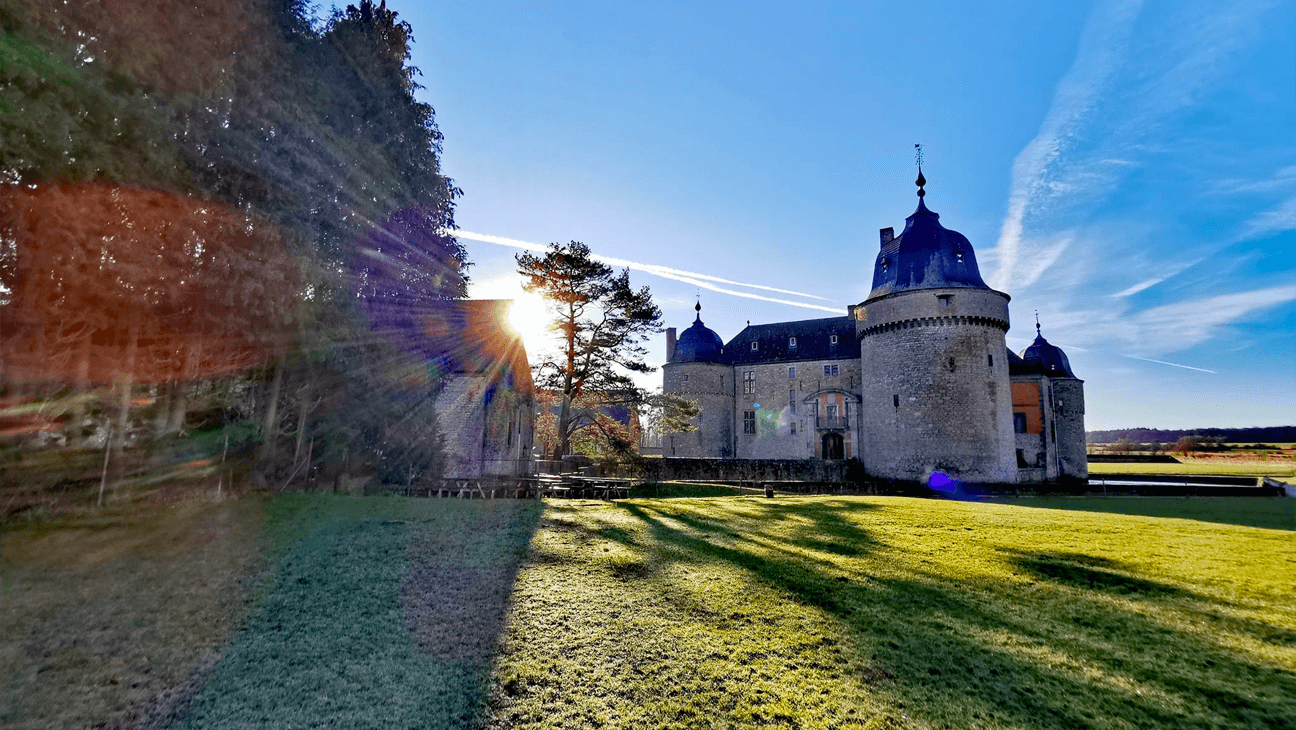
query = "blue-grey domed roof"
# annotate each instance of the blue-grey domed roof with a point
(1046, 359)
(926, 255)
(697, 343)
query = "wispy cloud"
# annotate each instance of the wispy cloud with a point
(1277, 219)
(1149, 283)
(1035, 178)
(1172, 364)
(704, 281)
(1181, 325)
(1108, 117)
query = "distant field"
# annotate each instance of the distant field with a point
(1277, 468)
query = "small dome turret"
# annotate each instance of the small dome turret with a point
(1046, 359)
(926, 255)
(698, 343)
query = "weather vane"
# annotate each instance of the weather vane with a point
(921, 181)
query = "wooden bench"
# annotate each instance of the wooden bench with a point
(552, 485)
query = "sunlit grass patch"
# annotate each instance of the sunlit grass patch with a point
(892, 612)
(1277, 513)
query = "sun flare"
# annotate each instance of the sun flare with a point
(529, 317)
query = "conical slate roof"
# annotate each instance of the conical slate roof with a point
(926, 255)
(1046, 359)
(698, 343)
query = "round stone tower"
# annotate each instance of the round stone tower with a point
(936, 395)
(696, 370)
(1063, 407)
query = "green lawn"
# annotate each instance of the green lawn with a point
(1275, 513)
(724, 611)
(385, 613)
(893, 612)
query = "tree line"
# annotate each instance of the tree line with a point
(1268, 434)
(220, 225)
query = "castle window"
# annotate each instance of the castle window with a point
(791, 342)
(951, 364)
(832, 369)
(945, 299)
(884, 266)
(1019, 422)
(792, 428)
(792, 371)
(749, 421)
(832, 339)
(895, 400)
(749, 381)
(990, 360)
(792, 400)
(754, 346)
(684, 379)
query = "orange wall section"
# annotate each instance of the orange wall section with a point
(1026, 399)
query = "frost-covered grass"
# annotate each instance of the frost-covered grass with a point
(893, 612)
(283, 611)
(384, 613)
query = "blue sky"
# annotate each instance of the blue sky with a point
(1126, 168)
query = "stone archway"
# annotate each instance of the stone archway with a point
(833, 446)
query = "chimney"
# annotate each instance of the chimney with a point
(670, 343)
(888, 235)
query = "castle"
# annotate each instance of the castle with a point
(915, 381)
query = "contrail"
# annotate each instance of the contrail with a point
(1172, 364)
(704, 281)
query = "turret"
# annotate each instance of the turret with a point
(696, 370)
(936, 395)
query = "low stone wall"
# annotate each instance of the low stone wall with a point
(746, 470)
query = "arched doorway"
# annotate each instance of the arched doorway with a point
(832, 446)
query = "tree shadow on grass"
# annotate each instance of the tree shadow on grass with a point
(1087, 572)
(1088, 646)
(376, 623)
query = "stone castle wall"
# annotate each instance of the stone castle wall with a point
(484, 439)
(936, 393)
(779, 400)
(1068, 402)
(710, 386)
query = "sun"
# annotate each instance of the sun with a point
(529, 317)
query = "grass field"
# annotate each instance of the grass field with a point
(891, 612)
(1277, 468)
(724, 611)
(1275, 513)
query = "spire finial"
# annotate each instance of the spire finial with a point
(1037, 327)
(918, 160)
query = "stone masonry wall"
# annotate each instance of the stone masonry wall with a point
(1068, 397)
(936, 394)
(710, 385)
(458, 408)
(780, 400)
